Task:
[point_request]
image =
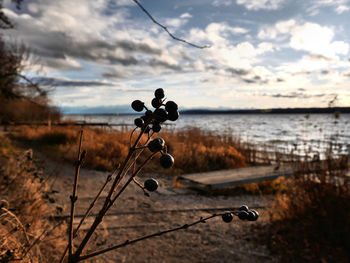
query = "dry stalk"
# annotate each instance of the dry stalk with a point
(108, 202)
(74, 197)
(129, 242)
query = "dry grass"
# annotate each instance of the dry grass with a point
(193, 150)
(24, 213)
(311, 221)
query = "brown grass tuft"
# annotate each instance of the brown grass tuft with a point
(311, 221)
(193, 149)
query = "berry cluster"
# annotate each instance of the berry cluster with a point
(159, 115)
(243, 213)
(246, 214)
(152, 120)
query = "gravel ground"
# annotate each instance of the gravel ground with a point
(135, 215)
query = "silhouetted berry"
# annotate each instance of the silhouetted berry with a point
(156, 145)
(9, 253)
(138, 122)
(244, 208)
(243, 215)
(252, 216)
(148, 113)
(173, 115)
(160, 115)
(166, 160)
(137, 105)
(156, 102)
(156, 127)
(159, 93)
(171, 106)
(227, 217)
(256, 215)
(151, 185)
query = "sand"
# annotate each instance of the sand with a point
(135, 215)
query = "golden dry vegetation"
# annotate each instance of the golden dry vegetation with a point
(26, 231)
(193, 150)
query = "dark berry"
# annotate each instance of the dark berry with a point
(244, 208)
(151, 185)
(156, 103)
(137, 105)
(148, 113)
(227, 217)
(156, 127)
(159, 93)
(138, 122)
(171, 106)
(256, 214)
(243, 215)
(9, 253)
(252, 216)
(160, 115)
(173, 115)
(166, 160)
(156, 145)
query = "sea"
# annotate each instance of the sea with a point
(300, 133)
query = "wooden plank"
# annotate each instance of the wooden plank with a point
(227, 178)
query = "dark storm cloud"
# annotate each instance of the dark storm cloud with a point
(60, 45)
(55, 82)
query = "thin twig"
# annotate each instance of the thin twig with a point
(167, 30)
(87, 213)
(74, 195)
(141, 187)
(45, 233)
(130, 179)
(127, 242)
(106, 205)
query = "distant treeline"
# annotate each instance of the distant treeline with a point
(272, 111)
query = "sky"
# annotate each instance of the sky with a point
(262, 54)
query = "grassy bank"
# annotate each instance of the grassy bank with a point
(27, 233)
(193, 150)
(310, 222)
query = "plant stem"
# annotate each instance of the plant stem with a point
(127, 242)
(74, 196)
(106, 205)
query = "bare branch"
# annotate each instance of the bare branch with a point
(167, 30)
(127, 242)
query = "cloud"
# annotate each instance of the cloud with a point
(310, 37)
(296, 95)
(60, 82)
(222, 3)
(261, 4)
(338, 6)
(116, 73)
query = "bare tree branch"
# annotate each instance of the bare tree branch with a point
(166, 29)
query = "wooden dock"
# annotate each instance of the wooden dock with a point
(228, 178)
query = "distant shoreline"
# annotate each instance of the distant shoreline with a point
(239, 111)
